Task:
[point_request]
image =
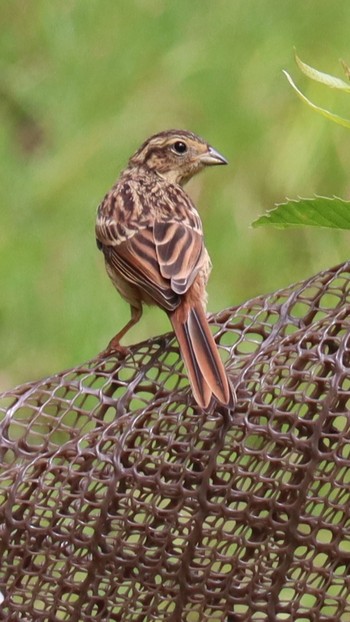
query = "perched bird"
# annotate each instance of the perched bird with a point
(152, 240)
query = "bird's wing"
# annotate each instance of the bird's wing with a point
(162, 260)
(136, 261)
(180, 251)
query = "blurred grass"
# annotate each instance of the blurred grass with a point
(83, 83)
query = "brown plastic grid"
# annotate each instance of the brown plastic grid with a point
(120, 500)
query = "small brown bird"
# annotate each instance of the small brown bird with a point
(151, 236)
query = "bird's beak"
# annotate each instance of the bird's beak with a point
(212, 157)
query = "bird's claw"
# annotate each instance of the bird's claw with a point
(116, 349)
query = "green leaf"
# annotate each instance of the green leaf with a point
(331, 212)
(326, 113)
(319, 76)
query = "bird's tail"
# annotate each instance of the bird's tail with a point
(204, 366)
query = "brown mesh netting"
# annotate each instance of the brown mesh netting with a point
(121, 501)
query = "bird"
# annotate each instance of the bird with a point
(151, 236)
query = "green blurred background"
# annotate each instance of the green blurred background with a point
(84, 82)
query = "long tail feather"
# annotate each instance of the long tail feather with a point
(204, 366)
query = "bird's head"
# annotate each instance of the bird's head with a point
(176, 155)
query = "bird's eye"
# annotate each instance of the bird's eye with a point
(180, 147)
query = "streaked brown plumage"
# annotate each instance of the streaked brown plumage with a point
(151, 236)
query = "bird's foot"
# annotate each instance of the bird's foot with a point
(115, 348)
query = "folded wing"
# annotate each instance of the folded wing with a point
(162, 260)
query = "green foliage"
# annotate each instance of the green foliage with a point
(319, 211)
(333, 213)
(83, 83)
(325, 79)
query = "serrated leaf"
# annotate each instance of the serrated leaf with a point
(326, 113)
(330, 212)
(320, 76)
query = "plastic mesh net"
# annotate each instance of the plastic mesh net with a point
(121, 500)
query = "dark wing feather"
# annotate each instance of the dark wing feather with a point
(162, 260)
(179, 250)
(136, 261)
